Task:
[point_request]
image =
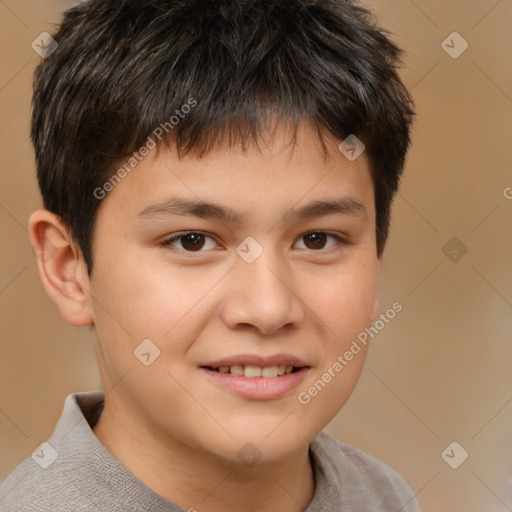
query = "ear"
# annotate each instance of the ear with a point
(380, 266)
(61, 267)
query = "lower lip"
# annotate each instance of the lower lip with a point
(258, 388)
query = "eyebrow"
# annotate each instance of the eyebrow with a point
(208, 210)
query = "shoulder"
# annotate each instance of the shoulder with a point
(46, 479)
(361, 479)
(29, 488)
(74, 472)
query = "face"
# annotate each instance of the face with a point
(278, 273)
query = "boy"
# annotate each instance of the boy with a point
(217, 180)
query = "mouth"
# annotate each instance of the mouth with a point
(252, 371)
(257, 378)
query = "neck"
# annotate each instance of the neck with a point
(204, 482)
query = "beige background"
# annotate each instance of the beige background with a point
(441, 370)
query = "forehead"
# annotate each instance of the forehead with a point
(294, 180)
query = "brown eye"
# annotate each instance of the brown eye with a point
(317, 240)
(190, 242)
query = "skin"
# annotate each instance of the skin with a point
(166, 422)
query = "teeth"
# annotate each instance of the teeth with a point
(252, 371)
(269, 371)
(237, 369)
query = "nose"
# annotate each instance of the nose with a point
(262, 295)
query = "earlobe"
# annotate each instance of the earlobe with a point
(61, 267)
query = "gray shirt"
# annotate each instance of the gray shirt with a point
(74, 472)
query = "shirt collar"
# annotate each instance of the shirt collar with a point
(74, 435)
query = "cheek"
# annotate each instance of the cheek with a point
(330, 390)
(147, 301)
(344, 300)
(167, 306)
(346, 306)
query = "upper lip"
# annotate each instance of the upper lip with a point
(257, 360)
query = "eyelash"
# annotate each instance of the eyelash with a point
(169, 241)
